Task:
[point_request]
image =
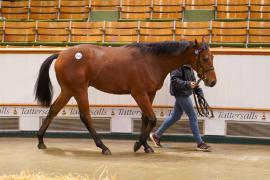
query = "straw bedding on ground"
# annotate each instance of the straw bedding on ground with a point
(100, 174)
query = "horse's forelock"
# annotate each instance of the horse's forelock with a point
(205, 46)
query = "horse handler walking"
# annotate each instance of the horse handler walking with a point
(183, 82)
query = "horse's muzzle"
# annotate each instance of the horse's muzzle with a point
(212, 84)
(209, 83)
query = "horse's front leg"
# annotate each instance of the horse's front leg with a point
(138, 144)
(83, 103)
(145, 122)
(148, 121)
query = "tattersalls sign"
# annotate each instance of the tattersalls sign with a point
(238, 115)
(130, 112)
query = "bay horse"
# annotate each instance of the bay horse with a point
(138, 69)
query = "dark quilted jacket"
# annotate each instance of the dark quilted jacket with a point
(180, 82)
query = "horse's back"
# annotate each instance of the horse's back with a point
(109, 69)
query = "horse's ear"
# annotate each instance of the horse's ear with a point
(196, 43)
(203, 39)
(204, 43)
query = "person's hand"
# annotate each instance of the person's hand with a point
(193, 84)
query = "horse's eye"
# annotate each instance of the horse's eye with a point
(205, 59)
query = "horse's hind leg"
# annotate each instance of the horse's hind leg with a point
(83, 103)
(58, 104)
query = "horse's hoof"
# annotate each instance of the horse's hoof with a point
(106, 152)
(137, 146)
(42, 146)
(148, 150)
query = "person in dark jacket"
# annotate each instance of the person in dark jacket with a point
(183, 82)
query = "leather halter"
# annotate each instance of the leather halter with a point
(200, 69)
(202, 105)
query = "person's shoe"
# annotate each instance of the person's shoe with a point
(203, 147)
(155, 139)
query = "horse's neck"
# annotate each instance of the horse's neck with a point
(171, 63)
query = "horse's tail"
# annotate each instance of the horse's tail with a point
(43, 87)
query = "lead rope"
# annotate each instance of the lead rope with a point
(202, 106)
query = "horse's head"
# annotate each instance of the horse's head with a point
(202, 63)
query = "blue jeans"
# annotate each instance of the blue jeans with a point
(182, 104)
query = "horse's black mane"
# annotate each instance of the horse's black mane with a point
(163, 48)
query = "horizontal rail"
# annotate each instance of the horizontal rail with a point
(133, 105)
(216, 51)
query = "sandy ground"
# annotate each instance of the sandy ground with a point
(174, 161)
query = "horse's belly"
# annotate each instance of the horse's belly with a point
(115, 91)
(112, 88)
